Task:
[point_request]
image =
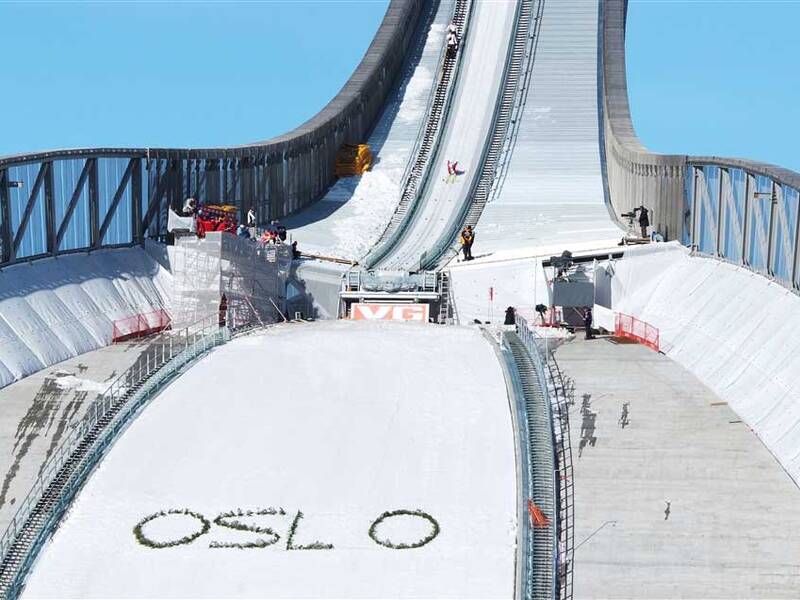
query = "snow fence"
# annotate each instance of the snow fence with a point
(732, 328)
(55, 309)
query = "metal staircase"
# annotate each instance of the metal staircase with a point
(446, 304)
(562, 396)
(428, 139)
(513, 78)
(540, 577)
(532, 18)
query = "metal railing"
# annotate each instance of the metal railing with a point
(423, 126)
(562, 394)
(539, 464)
(88, 439)
(555, 439)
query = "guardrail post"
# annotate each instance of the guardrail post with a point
(771, 229)
(748, 191)
(94, 204)
(5, 219)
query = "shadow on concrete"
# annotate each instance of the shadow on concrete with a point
(588, 425)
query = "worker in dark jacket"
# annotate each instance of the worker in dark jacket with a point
(587, 322)
(467, 239)
(644, 219)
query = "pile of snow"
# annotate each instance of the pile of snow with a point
(58, 308)
(374, 197)
(68, 381)
(735, 330)
(277, 446)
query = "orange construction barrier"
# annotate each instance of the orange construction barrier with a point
(140, 325)
(632, 328)
(538, 519)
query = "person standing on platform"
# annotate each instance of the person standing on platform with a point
(189, 206)
(644, 219)
(467, 239)
(587, 323)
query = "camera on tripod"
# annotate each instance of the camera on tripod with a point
(628, 215)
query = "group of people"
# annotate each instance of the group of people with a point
(274, 233)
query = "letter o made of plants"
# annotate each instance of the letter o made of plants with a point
(205, 526)
(402, 546)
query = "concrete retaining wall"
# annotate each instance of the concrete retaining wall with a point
(632, 174)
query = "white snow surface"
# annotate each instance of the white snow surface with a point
(732, 328)
(518, 283)
(68, 381)
(342, 420)
(352, 216)
(553, 189)
(55, 309)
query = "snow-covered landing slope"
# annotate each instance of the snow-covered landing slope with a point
(339, 420)
(54, 309)
(351, 217)
(734, 329)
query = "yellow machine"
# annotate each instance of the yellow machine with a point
(353, 159)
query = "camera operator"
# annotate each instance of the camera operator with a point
(644, 219)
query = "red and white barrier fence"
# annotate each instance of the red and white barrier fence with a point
(632, 328)
(140, 325)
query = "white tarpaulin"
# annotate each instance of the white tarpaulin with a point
(58, 308)
(177, 222)
(732, 328)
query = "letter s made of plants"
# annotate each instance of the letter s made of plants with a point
(229, 519)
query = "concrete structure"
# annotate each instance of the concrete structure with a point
(36, 412)
(733, 512)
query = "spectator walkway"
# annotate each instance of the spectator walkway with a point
(683, 501)
(36, 412)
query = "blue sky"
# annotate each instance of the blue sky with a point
(706, 77)
(172, 74)
(719, 78)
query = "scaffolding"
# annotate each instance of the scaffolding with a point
(242, 281)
